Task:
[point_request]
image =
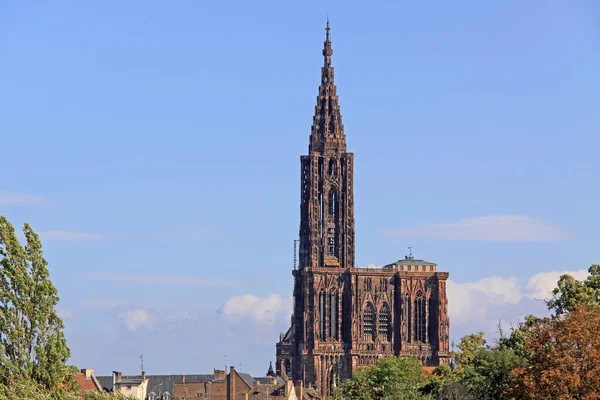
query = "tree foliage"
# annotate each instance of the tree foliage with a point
(571, 293)
(391, 378)
(32, 343)
(565, 358)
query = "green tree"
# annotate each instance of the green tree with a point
(391, 378)
(32, 343)
(484, 372)
(571, 293)
(468, 347)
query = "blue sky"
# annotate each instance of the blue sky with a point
(155, 146)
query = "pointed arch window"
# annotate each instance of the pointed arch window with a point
(333, 206)
(384, 331)
(406, 308)
(333, 316)
(333, 216)
(368, 322)
(332, 168)
(322, 316)
(420, 317)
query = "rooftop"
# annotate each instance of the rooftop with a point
(410, 261)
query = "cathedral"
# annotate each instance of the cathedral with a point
(344, 316)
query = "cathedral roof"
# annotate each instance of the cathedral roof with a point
(410, 261)
(287, 338)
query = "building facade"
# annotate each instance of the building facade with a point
(345, 316)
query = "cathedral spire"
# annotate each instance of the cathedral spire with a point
(327, 51)
(327, 129)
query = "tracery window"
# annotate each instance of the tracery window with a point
(333, 320)
(384, 322)
(333, 204)
(407, 317)
(287, 367)
(368, 322)
(333, 217)
(420, 317)
(322, 316)
(332, 168)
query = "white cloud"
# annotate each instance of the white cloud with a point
(22, 199)
(479, 306)
(540, 285)
(262, 310)
(473, 299)
(505, 228)
(134, 319)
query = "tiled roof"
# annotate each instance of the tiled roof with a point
(86, 384)
(265, 392)
(246, 377)
(157, 383)
(266, 380)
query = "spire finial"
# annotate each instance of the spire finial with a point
(327, 52)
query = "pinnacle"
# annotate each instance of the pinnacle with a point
(327, 121)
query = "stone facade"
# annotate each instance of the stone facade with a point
(345, 316)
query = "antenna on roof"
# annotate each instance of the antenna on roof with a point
(142, 362)
(410, 256)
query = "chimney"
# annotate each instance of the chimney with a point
(143, 376)
(116, 379)
(219, 374)
(182, 378)
(87, 372)
(231, 392)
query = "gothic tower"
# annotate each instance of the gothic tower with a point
(344, 316)
(326, 242)
(327, 202)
